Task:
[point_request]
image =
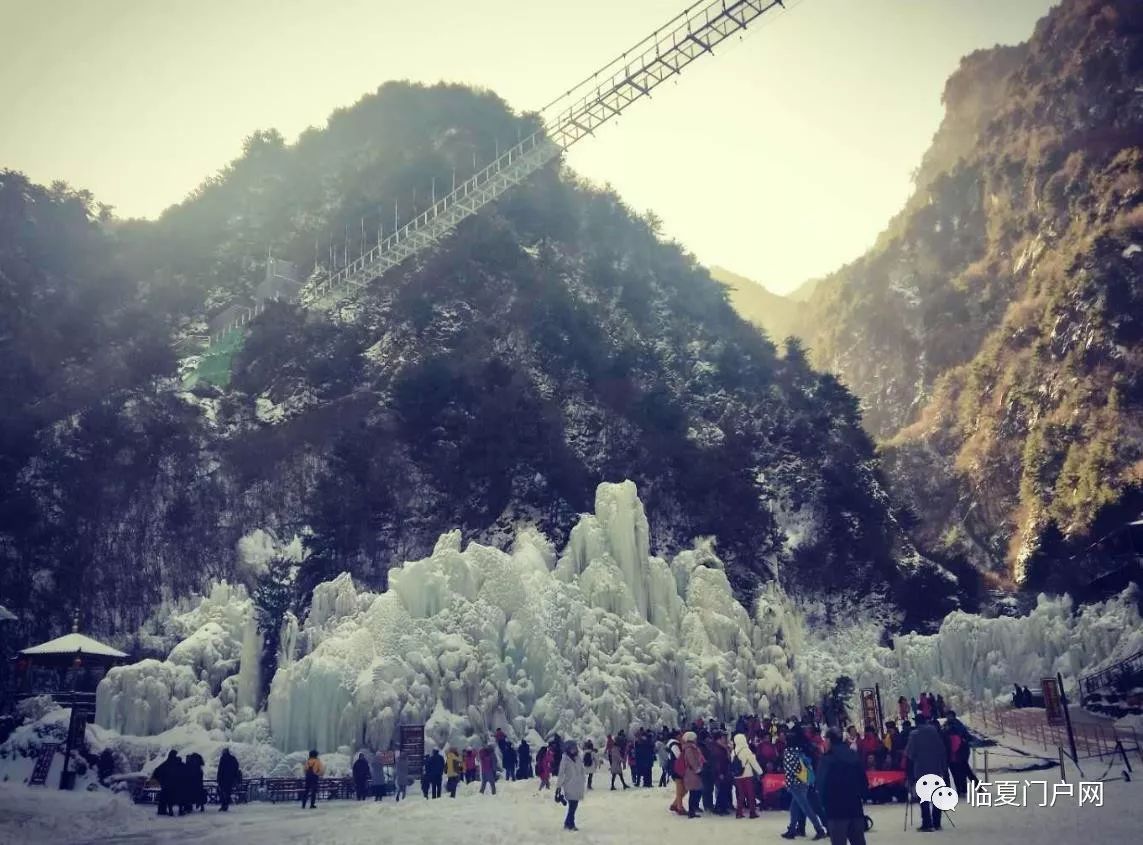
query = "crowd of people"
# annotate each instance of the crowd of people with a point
(824, 775)
(181, 785)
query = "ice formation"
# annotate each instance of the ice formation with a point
(599, 638)
(975, 658)
(468, 640)
(210, 678)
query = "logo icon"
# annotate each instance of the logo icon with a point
(933, 788)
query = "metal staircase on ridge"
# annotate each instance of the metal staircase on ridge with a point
(604, 95)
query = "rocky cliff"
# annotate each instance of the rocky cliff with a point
(993, 332)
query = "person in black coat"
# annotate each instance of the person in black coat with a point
(195, 793)
(169, 774)
(556, 749)
(361, 776)
(523, 761)
(434, 772)
(840, 780)
(227, 777)
(644, 758)
(508, 759)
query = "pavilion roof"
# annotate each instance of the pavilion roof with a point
(73, 643)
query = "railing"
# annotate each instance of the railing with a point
(64, 698)
(1031, 726)
(578, 113)
(1096, 681)
(508, 170)
(274, 790)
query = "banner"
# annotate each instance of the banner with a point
(43, 764)
(387, 758)
(775, 783)
(869, 709)
(1053, 708)
(413, 748)
(772, 783)
(893, 777)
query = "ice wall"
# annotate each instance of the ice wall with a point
(975, 658)
(600, 637)
(210, 678)
(470, 639)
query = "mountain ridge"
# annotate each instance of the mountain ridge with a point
(554, 342)
(992, 332)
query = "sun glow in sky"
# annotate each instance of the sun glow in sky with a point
(780, 158)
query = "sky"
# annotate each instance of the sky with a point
(780, 158)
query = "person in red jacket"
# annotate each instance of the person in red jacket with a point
(488, 768)
(544, 767)
(469, 765)
(723, 782)
(768, 755)
(869, 746)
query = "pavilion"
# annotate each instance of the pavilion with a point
(68, 668)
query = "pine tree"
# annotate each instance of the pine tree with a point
(274, 595)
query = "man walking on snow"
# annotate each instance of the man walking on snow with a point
(926, 755)
(841, 783)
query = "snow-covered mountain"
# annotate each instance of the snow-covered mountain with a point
(554, 342)
(993, 333)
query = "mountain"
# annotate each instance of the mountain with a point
(555, 341)
(993, 332)
(779, 316)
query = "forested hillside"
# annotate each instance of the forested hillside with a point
(993, 333)
(554, 342)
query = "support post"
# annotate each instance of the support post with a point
(1063, 771)
(1123, 753)
(1067, 717)
(986, 765)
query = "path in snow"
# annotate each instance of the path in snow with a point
(520, 815)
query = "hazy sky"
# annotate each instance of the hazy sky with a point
(780, 158)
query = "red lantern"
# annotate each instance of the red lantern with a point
(78, 662)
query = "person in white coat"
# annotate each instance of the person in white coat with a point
(571, 785)
(744, 766)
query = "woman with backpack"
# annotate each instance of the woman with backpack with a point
(677, 768)
(313, 772)
(744, 768)
(664, 761)
(799, 777)
(589, 761)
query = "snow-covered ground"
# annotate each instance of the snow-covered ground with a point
(518, 815)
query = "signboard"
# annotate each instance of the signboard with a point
(413, 748)
(77, 729)
(1053, 707)
(869, 708)
(387, 758)
(43, 764)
